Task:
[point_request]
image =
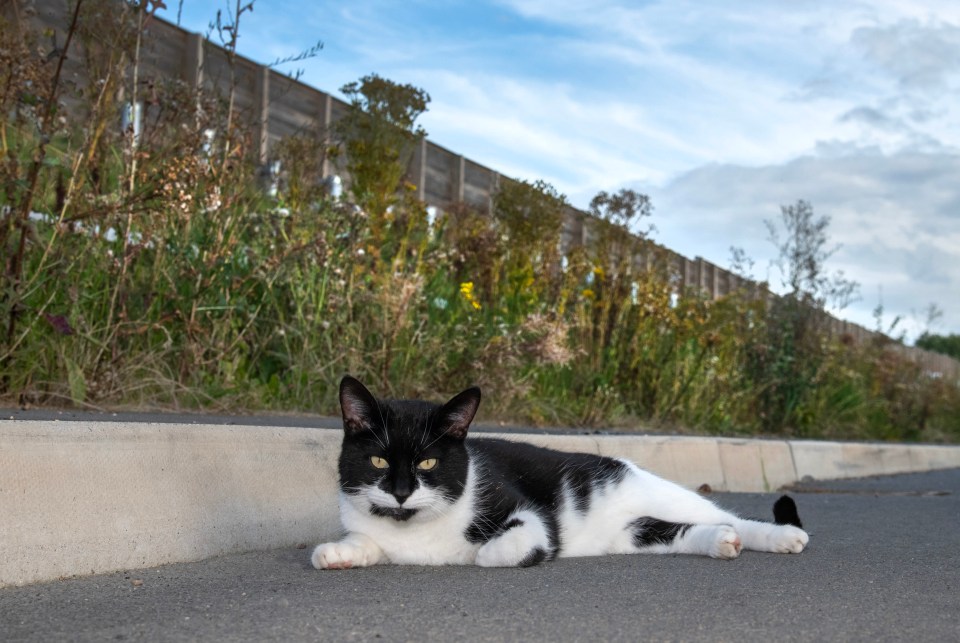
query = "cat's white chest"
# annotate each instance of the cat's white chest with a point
(427, 539)
(433, 542)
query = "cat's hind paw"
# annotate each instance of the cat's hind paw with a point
(340, 555)
(789, 540)
(727, 543)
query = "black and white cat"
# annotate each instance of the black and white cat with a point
(413, 490)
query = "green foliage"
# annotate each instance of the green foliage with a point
(944, 344)
(785, 360)
(378, 135)
(531, 214)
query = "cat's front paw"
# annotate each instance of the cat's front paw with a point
(339, 556)
(789, 540)
(727, 543)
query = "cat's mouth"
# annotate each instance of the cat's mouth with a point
(397, 513)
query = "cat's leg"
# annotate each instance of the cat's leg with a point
(654, 536)
(690, 508)
(670, 502)
(354, 550)
(650, 495)
(524, 541)
(767, 536)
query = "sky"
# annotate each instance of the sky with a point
(722, 111)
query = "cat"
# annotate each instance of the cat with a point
(414, 490)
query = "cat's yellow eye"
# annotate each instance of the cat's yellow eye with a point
(426, 465)
(379, 462)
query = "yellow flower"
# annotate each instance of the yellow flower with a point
(589, 294)
(466, 289)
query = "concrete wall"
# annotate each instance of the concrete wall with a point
(81, 498)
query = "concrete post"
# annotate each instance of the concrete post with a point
(418, 166)
(193, 61)
(495, 187)
(326, 119)
(193, 68)
(459, 178)
(263, 113)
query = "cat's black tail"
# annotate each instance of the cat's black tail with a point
(785, 512)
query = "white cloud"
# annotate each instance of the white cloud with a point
(921, 58)
(896, 218)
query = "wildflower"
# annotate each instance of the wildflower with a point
(589, 294)
(466, 289)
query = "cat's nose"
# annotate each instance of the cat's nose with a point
(402, 489)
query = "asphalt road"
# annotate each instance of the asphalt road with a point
(882, 565)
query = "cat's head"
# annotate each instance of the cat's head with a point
(403, 458)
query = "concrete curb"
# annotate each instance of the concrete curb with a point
(90, 497)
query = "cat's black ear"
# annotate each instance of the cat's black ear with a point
(457, 414)
(358, 406)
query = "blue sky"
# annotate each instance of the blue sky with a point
(721, 111)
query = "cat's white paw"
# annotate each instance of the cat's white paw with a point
(523, 545)
(788, 540)
(340, 556)
(505, 551)
(726, 544)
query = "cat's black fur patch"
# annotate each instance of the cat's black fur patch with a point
(584, 474)
(785, 512)
(397, 514)
(538, 555)
(652, 531)
(516, 522)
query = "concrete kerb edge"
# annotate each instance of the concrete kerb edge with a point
(86, 497)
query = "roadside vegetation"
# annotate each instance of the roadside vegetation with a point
(158, 266)
(945, 344)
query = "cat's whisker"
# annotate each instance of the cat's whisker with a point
(386, 429)
(376, 437)
(426, 433)
(432, 442)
